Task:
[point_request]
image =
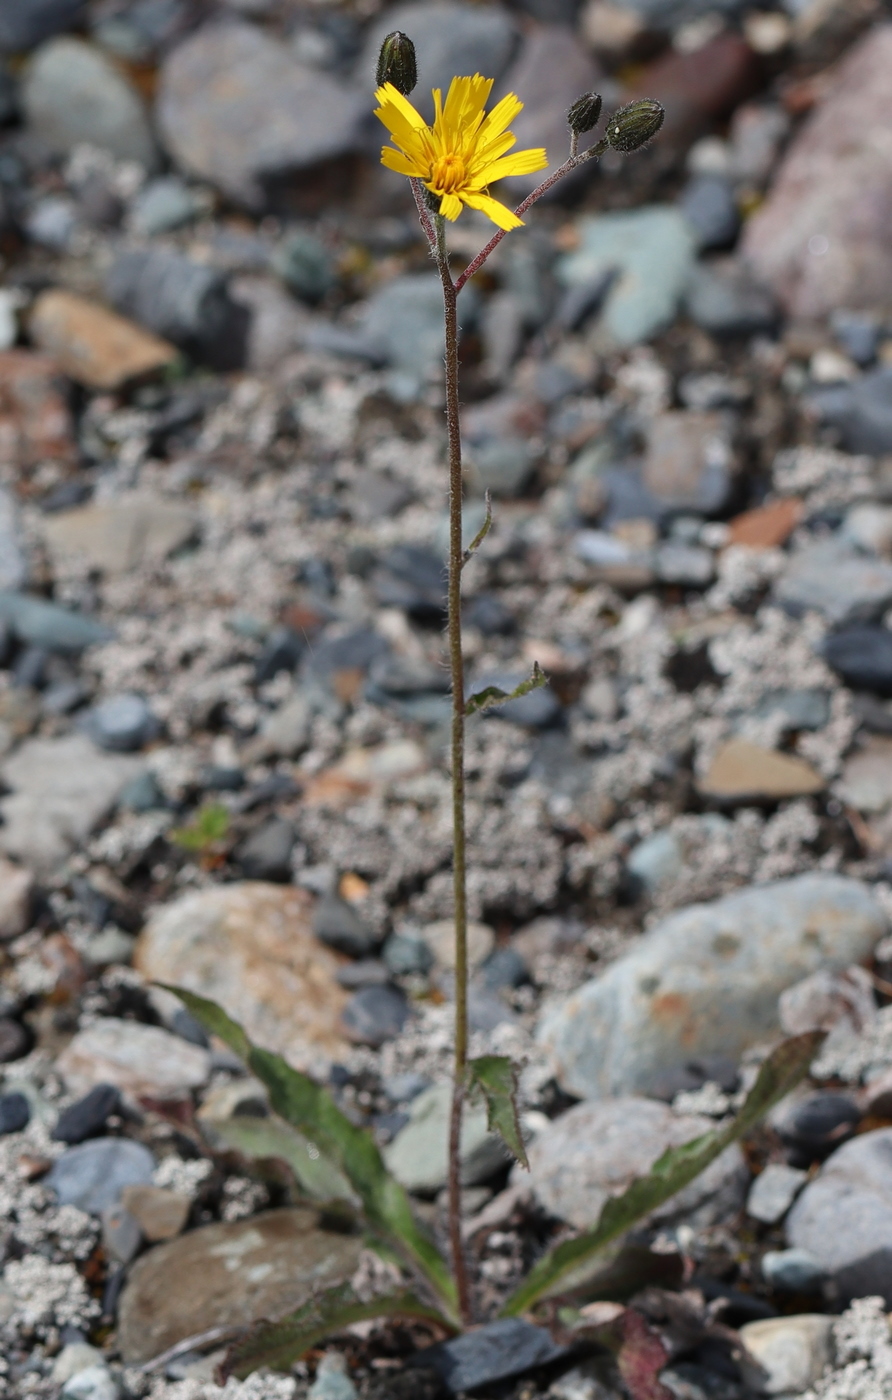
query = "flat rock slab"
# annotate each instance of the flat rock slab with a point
(250, 947)
(229, 1276)
(60, 790)
(832, 579)
(144, 1062)
(821, 237)
(119, 535)
(488, 1354)
(843, 1218)
(93, 1175)
(741, 770)
(235, 108)
(92, 345)
(706, 981)
(417, 1157)
(595, 1150)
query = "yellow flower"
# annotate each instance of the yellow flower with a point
(463, 152)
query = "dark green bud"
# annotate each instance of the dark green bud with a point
(396, 63)
(584, 114)
(634, 125)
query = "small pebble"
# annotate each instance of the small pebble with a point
(15, 1113)
(88, 1116)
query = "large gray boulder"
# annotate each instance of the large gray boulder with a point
(706, 982)
(72, 95)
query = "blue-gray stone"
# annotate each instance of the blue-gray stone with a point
(656, 860)
(163, 205)
(25, 23)
(87, 1116)
(862, 656)
(861, 411)
(792, 1271)
(653, 250)
(844, 1217)
(710, 208)
(337, 923)
(495, 1352)
(332, 1380)
(305, 266)
(834, 579)
(15, 1113)
(93, 1175)
(47, 625)
(404, 956)
(266, 853)
(142, 794)
(184, 301)
(74, 95)
(375, 1014)
(705, 981)
(722, 298)
(122, 723)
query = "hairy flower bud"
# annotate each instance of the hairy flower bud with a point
(396, 63)
(634, 125)
(583, 115)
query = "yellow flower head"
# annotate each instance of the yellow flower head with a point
(463, 152)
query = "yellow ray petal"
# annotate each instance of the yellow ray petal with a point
(499, 213)
(501, 116)
(518, 163)
(482, 157)
(388, 95)
(450, 207)
(466, 100)
(396, 160)
(409, 138)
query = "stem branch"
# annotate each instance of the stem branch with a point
(450, 297)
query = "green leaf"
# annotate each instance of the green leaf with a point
(565, 1265)
(210, 826)
(309, 1108)
(280, 1344)
(493, 695)
(496, 1078)
(260, 1139)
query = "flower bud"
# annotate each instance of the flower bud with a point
(634, 125)
(583, 115)
(396, 63)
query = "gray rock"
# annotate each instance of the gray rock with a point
(122, 723)
(9, 111)
(73, 95)
(266, 854)
(773, 1192)
(801, 709)
(74, 1357)
(163, 205)
(449, 39)
(142, 1061)
(47, 625)
(417, 1155)
(337, 923)
(653, 250)
(235, 108)
(229, 1275)
(332, 1379)
(93, 1175)
(666, 14)
(59, 791)
(722, 298)
(790, 1352)
(404, 319)
(186, 302)
(792, 1271)
(820, 238)
(141, 794)
(285, 733)
(844, 1217)
(688, 565)
(861, 411)
(404, 955)
(495, 1352)
(305, 266)
(862, 656)
(706, 981)
(121, 1235)
(93, 1383)
(24, 26)
(87, 1116)
(710, 208)
(51, 223)
(375, 1014)
(831, 578)
(595, 1150)
(15, 1113)
(131, 530)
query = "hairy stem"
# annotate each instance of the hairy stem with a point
(456, 665)
(572, 163)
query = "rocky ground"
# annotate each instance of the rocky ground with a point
(223, 702)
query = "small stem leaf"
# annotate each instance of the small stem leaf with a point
(481, 534)
(496, 1078)
(279, 1344)
(353, 1151)
(571, 1262)
(493, 695)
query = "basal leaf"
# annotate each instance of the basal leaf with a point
(566, 1264)
(263, 1138)
(496, 1078)
(311, 1110)
(279, 1344)
(493, 695)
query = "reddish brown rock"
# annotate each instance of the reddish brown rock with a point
(35, 424)
(93, 345)
(696, 88)
(821, 240)
(250, 947)
(766, 527)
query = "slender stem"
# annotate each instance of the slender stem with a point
(572, 163)
(456, 664)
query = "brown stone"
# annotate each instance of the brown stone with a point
(766, 527)
(229, 1276)
(35, 424)
(821, 239)
(250, 947)
(743, 770)
(93, 345)
(133, 530)
(160, 1214)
